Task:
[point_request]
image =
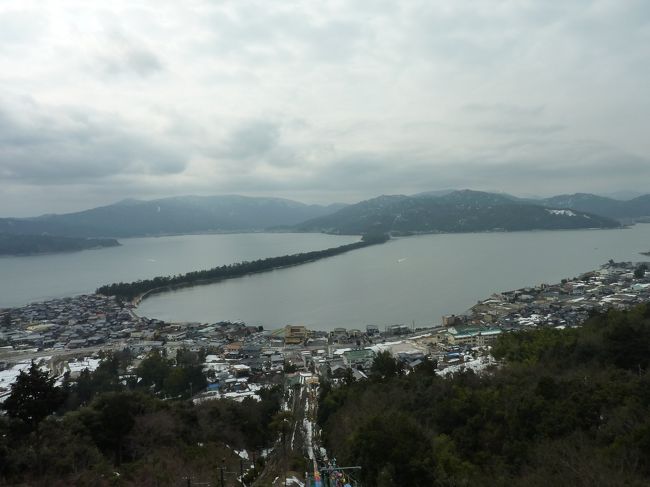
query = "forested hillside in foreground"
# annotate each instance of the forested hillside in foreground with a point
(569, 408)
(112, 427)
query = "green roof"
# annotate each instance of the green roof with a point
(359, 354)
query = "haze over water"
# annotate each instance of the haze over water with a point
(409, 279)
(36, 278)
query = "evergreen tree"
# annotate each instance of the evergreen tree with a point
(385, 366)
(33, 396)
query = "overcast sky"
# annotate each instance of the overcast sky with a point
(319, 101)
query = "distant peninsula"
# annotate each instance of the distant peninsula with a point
(22, 245)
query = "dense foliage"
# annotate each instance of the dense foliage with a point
(39, 244)
(137, 288)
(111, 429)
(569, 407)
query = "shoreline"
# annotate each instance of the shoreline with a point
(136, 301)
(137, 291)
(565, 304)
(174, 287)
(481, 302)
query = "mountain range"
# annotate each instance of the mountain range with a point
(458, 211)
(638, 207)
(435, 211)
(176, 215)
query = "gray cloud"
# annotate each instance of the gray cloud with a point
(44, 145)
(254, 143)
(252, 140)
(511, 128)
(565, 166)
(504, 109)
(123, 54)
(260, 31)
(391, 97)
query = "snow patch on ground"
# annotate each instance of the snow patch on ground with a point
(562, 212)
(381, 347)
(476, 365)
(86, 363)
(308, 438)
(9, 376)
(242, 454)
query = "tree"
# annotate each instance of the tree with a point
(33, 396)
(184, 381)
(289, 368)
(84, 387)
(397, 448)
(385, 366)
(110, 418)
(428, 367)
(639, 272)
(153, 370)
(6, 320)
(185, 357)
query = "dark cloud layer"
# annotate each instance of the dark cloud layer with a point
(51, 146)
(319, 101)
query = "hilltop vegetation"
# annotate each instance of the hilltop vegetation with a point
(569, 407)
(630, 209)
(459, 211)
(39, 244)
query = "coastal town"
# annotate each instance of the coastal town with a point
(69, 334)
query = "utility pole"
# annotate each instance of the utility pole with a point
(223, 467)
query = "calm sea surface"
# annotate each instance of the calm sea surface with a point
(36, 278)
(409, 279)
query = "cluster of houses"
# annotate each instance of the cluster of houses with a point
(93, 321)
(243, 359)
(241, 368)
(561, 305)
(68, 323)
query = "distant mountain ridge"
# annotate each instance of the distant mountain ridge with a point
(458, 211)
(624, 208)
(634, 208)
(174, 215)
(433, 211)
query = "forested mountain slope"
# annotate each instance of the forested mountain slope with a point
(569, 407)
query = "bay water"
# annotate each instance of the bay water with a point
(27, 279)
(407, 280)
